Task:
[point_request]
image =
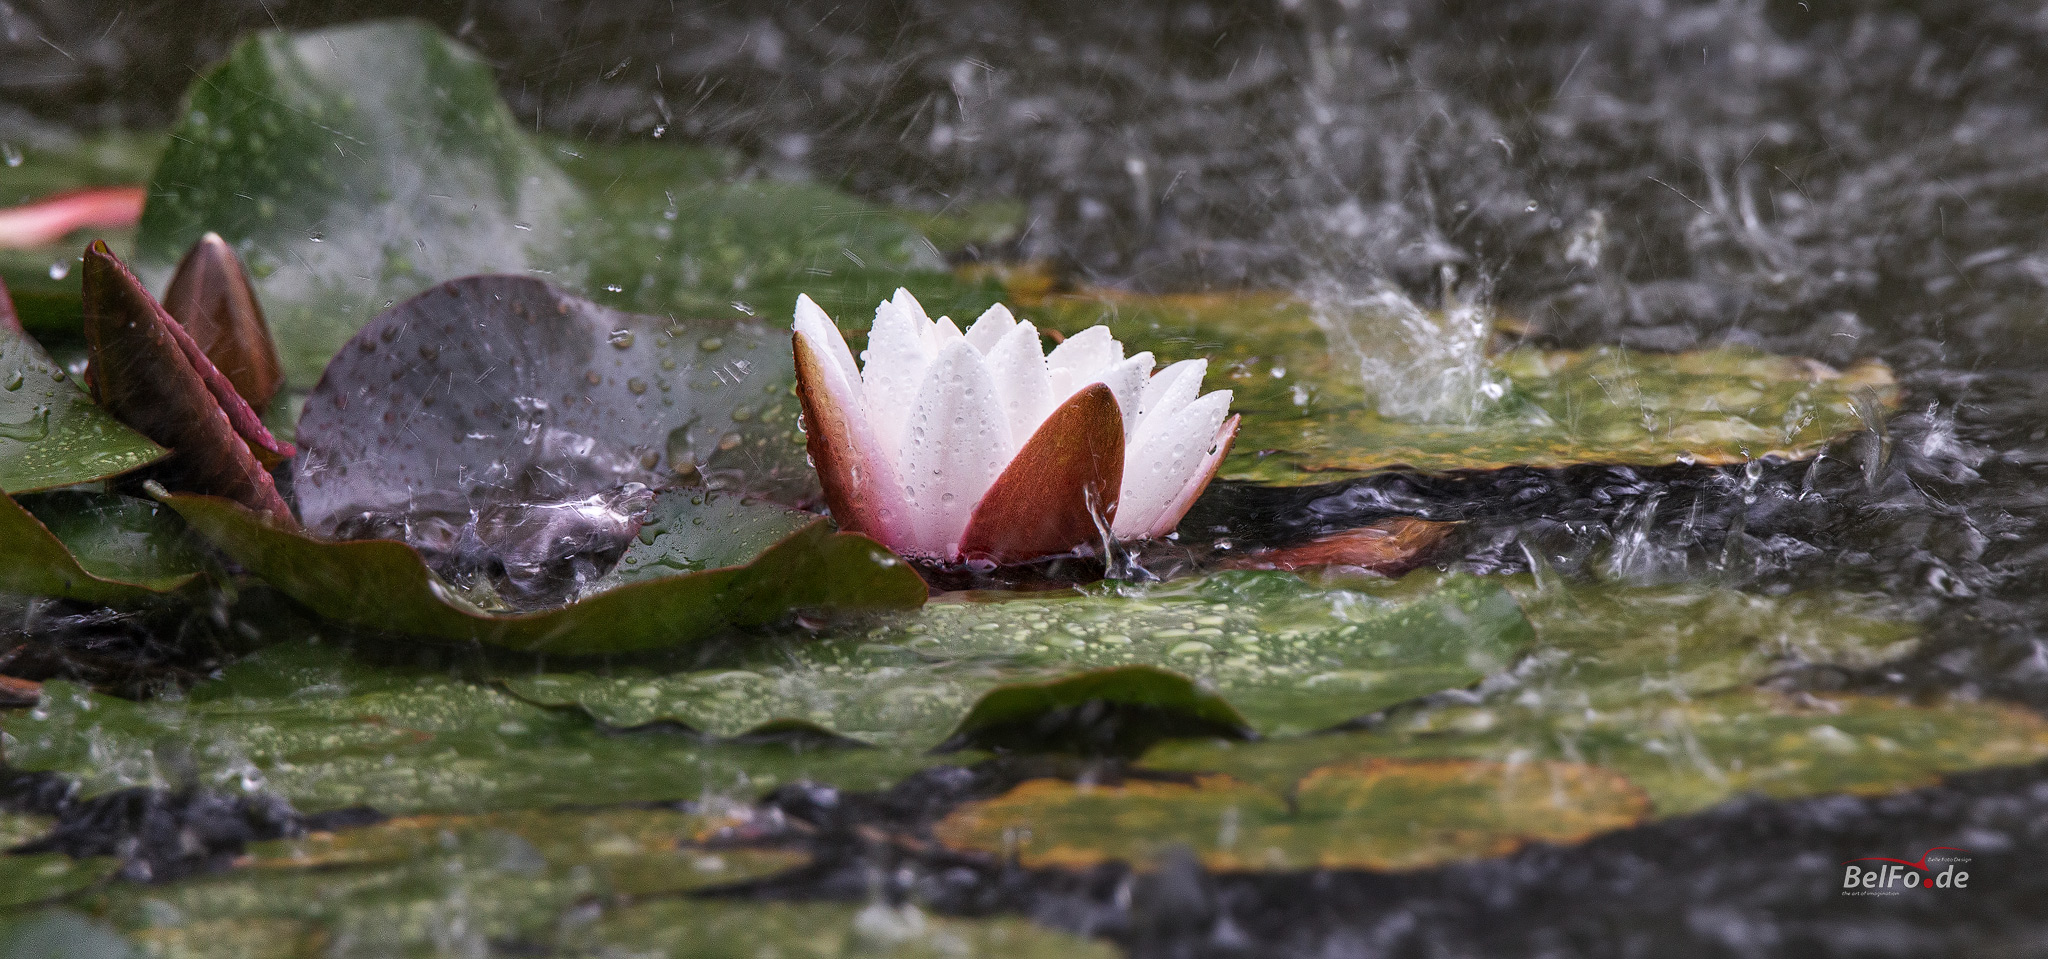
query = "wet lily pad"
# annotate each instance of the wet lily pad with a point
(718, 930)
(1685, 755)
(26, 880)
(356, 166)
(95, 547)
(51, 434)
(1309, 418)
(1660, 684)
(504, 390)
(1283, 655)
(386, 585)
(325, 731)
(1372, 814)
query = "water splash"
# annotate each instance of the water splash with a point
(1419, 365)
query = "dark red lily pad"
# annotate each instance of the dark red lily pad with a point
(500, 389)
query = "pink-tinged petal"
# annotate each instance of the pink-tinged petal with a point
(1157, 471)
(150, 375)
(211, 298)
(53, 218)
(957, 443)
(1046, 501)
(899, 351)
(812, 321)
(1169, 389)
(1389, 548)
(1127, 380)
(1082, 359)
(8, 321)
(860, 484)
(1226, 436)
(1018, 366)
(994, 324)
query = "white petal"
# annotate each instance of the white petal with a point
(908, 304)
(945, 331)
(957, 443)
(995, 323)
(1157, 468)
(1018, 365)
(1168, 390)
(1082, 359)
(898, 352)
(1127, 380)
(825, 337)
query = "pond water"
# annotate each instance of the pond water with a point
(1737, 672)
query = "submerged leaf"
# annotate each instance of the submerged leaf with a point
(91, 546)
(1388, 548)
(504, 390)
(1310, 419)
(385, 585)
(1375, 814)
(1262, 650)
(51, 432)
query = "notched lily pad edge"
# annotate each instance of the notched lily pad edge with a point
(335, 578)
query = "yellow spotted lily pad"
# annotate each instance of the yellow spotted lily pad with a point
(1309, 418)
(1370, 814)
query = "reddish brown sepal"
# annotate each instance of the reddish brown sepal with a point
(1057, 489)
(151, 376)
(211, 297)
(1389, 548)
(829, 439)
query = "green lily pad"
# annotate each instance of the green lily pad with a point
(51, 434)
(1685, 755)
(326, 731)
(690, 531)
(356, 166)
(499, 390)
(385, 585)
(17, 828)
(94, 547)
(1375, 814)
(1308, 418)
(59, 934)
(688, 929)
(1283, 655)
(27, 880)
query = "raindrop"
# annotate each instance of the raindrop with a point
(636, 385)
(10, 153)
(614, 288)
(14, 380)
(593, 378)
(620, 338)
(34, 428)
(60, 269)
(710, 344)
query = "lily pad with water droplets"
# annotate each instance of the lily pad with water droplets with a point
(1373, 814)
(505, 390)
(94, 547)
(1284, 656)
(1309, 418)
(326, 730)
(51, 433)
(1685, 755)
(386, 585)
(353, 167)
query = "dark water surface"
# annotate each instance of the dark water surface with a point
(1839, 180)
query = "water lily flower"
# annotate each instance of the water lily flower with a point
(978, 446)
